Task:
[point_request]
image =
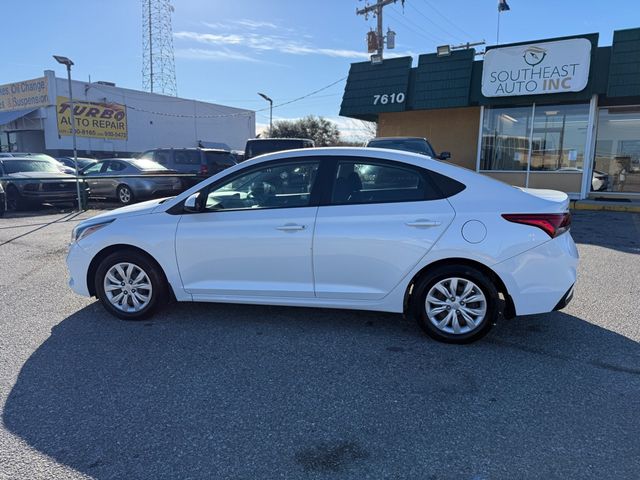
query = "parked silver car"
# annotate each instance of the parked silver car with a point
(130, 179)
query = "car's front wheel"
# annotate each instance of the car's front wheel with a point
(130, 285)
(455, 304)
(125, 194)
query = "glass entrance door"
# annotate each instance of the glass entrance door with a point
(617, 160)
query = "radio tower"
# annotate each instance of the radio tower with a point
(158, 67)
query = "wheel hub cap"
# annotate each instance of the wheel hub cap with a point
(456, 305)
(128, 287)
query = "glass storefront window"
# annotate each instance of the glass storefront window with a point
(617, 159)
(505, 138)
(559, 137)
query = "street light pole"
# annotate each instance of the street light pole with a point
(270, 111)
(66, 61)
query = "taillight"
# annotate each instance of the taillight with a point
(553, 224)
(204, 170)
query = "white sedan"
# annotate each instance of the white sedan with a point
(357, 228)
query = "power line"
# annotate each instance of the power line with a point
(415, 28)
(464, 32)
(439, 27)
(238, 114)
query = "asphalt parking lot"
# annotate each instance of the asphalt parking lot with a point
(248, 392)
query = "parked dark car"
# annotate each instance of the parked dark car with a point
(40, 156)
(201, 161)
(408, 144)
(135, 179)
(3, 201)
(30, 182)
(260, 146)
(82, 162)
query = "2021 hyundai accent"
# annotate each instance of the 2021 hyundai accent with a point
(356, 228)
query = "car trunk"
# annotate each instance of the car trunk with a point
(557, 201)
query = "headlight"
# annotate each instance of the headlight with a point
(82, 231)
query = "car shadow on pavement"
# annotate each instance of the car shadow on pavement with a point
(224, 391)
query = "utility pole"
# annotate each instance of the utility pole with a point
(376, 10)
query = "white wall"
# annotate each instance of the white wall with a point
(148, 130)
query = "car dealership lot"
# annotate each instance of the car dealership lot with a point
(225, 391)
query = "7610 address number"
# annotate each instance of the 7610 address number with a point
(391, 98)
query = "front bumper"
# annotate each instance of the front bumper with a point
(78, 262)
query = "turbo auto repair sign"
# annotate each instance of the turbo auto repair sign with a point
(535, 69)
(94, 120)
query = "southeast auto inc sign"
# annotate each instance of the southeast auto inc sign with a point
(538, 68)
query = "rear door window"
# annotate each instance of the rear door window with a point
(223, 159)
(359, 182)
(163, 157)
(187, 157)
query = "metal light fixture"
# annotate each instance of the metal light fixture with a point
(443, 50)
(376, 59)
(270, 110)
(67, 62)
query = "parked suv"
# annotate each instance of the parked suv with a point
(408, 144)
(260, 146)
(202, 161)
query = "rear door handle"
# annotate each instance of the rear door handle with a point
(423, 223)
(291, 227)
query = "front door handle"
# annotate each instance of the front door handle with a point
(291, 227)
(421, 223)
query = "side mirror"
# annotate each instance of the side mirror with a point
(444, 156)
(194, 203)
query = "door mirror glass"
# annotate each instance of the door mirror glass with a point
(445, 156)
(193, 204)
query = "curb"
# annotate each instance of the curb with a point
(604, 206)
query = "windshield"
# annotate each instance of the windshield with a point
(410, 145)
(17, 166)
(144, 164)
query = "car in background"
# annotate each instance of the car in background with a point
(260, 146)
(83, 162)
(31, 181)
(203, 162)
(130, 179)
(599, 180)
(3, 201)
(408, 144)
(357, 228)
(40, 156)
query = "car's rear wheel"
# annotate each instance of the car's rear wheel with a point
(125, 194)
(455, 304)
(130, 285)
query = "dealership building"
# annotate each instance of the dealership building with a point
(112, 121)
(559, 113)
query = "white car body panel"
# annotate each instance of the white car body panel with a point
(353, 256)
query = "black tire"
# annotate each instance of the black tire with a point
(159, 294)
(124, 194)
(15, 201)
(426, 283)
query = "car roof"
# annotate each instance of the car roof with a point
(31, 159)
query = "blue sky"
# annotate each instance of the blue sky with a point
(226, 51)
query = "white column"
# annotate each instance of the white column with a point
(590, 148)
(479, 150)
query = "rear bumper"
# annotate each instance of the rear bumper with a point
(541, 280)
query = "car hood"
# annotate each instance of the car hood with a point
(142, 208)
(45, 175)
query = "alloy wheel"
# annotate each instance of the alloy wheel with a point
(124, 194)
(127, 287)
(456, 305)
